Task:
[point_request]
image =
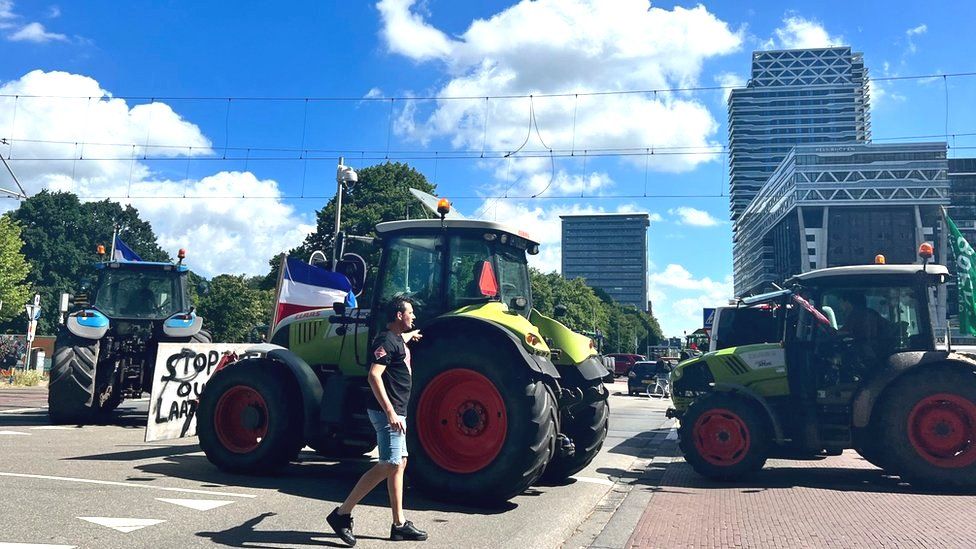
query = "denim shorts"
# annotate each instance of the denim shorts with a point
(392, 446)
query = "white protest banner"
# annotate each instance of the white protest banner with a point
(181, 372)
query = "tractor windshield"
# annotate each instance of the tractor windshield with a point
(471, 258)
(139, 293)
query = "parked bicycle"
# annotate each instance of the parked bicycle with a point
(660, 388)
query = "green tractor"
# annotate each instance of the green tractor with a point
(502, 394)
(105, 351)
(845, 357)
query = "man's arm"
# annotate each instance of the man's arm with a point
(375, 378)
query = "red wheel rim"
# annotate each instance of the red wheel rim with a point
(942, 429)
(721, 437)
(241, 419)
(461, 420)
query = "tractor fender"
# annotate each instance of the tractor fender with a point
(591, 368)
(88, 323)
(758, 399)
(305, 378)
(450, 324)
(899, 364)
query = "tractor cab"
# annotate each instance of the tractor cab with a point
(140, 290)
(447, 265)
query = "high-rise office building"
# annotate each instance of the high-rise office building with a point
(609, 251)
(795, 97)
(962, 210)
(827, 206)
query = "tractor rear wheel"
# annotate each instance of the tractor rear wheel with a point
(480, 426)
(72, 379)
(587, 427)
(928, 425)
(249, 420)
(724, 437)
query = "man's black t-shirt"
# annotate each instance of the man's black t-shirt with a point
(389, 350)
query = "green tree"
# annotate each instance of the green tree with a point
(60, 237)
(231, 309)
(14, 290)
(382, 194)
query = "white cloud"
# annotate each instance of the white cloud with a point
(407, 34)
(913, 32)
(691, 216)
(223, 235)
(729, 80)
(798, 33)
(53, 12)
(678, 297)
(921, 29)
(35, 32)
(373, 92)
(577, 46)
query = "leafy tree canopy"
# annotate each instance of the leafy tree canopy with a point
(14, 289)
(232, 308)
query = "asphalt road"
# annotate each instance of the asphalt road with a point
(102, 486)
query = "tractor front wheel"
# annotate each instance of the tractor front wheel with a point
(72, 379)
(928, 425)
(724, 437)
(249, 419)
(481, 426)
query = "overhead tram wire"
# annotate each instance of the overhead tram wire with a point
(453, 97)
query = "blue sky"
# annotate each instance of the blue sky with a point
(397, 48)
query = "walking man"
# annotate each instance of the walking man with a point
(390, 378)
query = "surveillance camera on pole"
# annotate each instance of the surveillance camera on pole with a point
(347, 178)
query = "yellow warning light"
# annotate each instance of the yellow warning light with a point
(443, 206)
(879, 259)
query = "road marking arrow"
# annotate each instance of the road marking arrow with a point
(124, 525)
(198, 504)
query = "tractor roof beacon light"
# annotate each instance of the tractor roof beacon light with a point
(100, 250)
(925, 251)
(443, 207)
(879, 259)
(181, 255)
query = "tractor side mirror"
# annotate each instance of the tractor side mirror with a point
(559, 311)
(353, 267)
(340, 308)
(86, 284)
(203, 288)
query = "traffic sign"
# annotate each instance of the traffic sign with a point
(708, 318)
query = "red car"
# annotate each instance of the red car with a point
(623, 362)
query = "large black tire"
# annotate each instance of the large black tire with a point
(480, 426)
(587, 427)
(724, 437)
(203, 336)
(72, 377)
(870, 446)
(250, 418)
(928, 427)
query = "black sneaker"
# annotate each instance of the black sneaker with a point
(407, 532)
(342, 526)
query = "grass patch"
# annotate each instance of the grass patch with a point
(20, 378)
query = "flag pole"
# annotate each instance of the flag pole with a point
(115, 235)
(277, 296)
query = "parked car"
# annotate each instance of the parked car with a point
(624, 362)
(643, 373)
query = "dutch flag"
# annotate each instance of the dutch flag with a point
(123, 252)
(306, 287)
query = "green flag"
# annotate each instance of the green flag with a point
(965, 258)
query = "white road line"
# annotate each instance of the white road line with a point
(197, 504)
(591, 480)
(124, 525)
(673, 435)
(13, 433)
(21, 410)
(129, 485)
(53, 428)
(5, 545)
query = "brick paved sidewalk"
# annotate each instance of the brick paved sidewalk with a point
(838, 501)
